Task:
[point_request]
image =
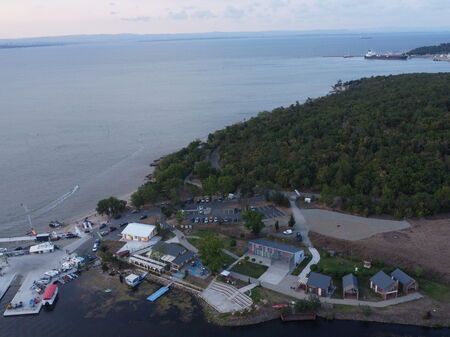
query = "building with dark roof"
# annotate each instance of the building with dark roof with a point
(383, 285)
(407, 283)
(350, 287)
(276, 252)
(319, 284)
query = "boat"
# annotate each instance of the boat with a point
(279, 306)
(50, 295)
(298, 317)
(370, 55)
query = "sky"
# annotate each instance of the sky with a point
(32, 18)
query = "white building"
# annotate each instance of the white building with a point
(139, 232)
(42, 248)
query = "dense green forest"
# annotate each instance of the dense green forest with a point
(443, 48)
(381, 146)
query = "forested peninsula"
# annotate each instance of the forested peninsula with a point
(443, 48)
(380, 145)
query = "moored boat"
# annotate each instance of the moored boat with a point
(50, 294)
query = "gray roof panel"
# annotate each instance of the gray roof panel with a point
(382, 280)
(349, 280)
(401, 276)
(319, 280)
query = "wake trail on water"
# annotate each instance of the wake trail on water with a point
(48, 207)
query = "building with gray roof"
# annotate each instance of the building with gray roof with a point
(276, 252)
(319, 284)
(350, 288)
(383, 285)
(406, 282)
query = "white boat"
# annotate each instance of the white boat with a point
(50, 295)
(134, 280)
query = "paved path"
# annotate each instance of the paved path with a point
(214, 159)
(188, 180)
(315, 259)
(234, 256)
(300, 222)
(181, 239)
(247, 288)
(5, 282)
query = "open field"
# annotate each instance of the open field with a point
(423, 245)
(348, 227)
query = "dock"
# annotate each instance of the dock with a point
(157, 294)
(5, 283)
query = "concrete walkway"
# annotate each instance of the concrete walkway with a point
(5, 283)
(181, 239)
(247, 288)
(234, 256)
(315, 259)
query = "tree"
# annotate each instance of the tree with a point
(291, 222)
(253, 221)
(210, 185)
(111, 206)
(203, 169)
(210, 251)
(180, 216)
(277, 226)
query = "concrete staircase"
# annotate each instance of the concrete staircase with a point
(232, 293)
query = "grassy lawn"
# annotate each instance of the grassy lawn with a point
(435, 290)
(258, 293)
(250, 269)
(301, 266)
(227, 260)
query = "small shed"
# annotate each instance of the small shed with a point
(319, 284)
(350, 287)
(42, 248)
(406, 282)
(383, 285)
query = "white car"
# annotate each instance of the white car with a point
(3, 250)
(288, 232)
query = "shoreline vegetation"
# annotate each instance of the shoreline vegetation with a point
(379, 146)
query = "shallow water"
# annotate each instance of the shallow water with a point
(96, 115)
(83, 312)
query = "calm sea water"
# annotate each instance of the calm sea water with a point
(72, 317)
(96, 115)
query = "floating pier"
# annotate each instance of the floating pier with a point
(157, 294)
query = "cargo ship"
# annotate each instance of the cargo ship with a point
(389, 56)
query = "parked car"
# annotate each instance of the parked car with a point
(95, 248)
(197, 220)
(134, 211)
(103, 233)
(3, 250)
(143, 217)
(288, 232)
(123, 224)
(112, 228)
(206, 220)
(103, 225)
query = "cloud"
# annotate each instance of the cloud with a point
(178, 15)
(137, 19)
(233, 13)
(203, 14)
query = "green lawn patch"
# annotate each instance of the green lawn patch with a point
(302, 265)
(436, 291)
(250, 269)
(227, 260)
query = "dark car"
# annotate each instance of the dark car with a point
(143, 217)
(112, 228)
(103, 225)
(123, 224)
(71, 236)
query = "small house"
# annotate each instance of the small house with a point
(139, 232)
(407, 283)
(350, 287)
(319, 284)
(383, 285)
